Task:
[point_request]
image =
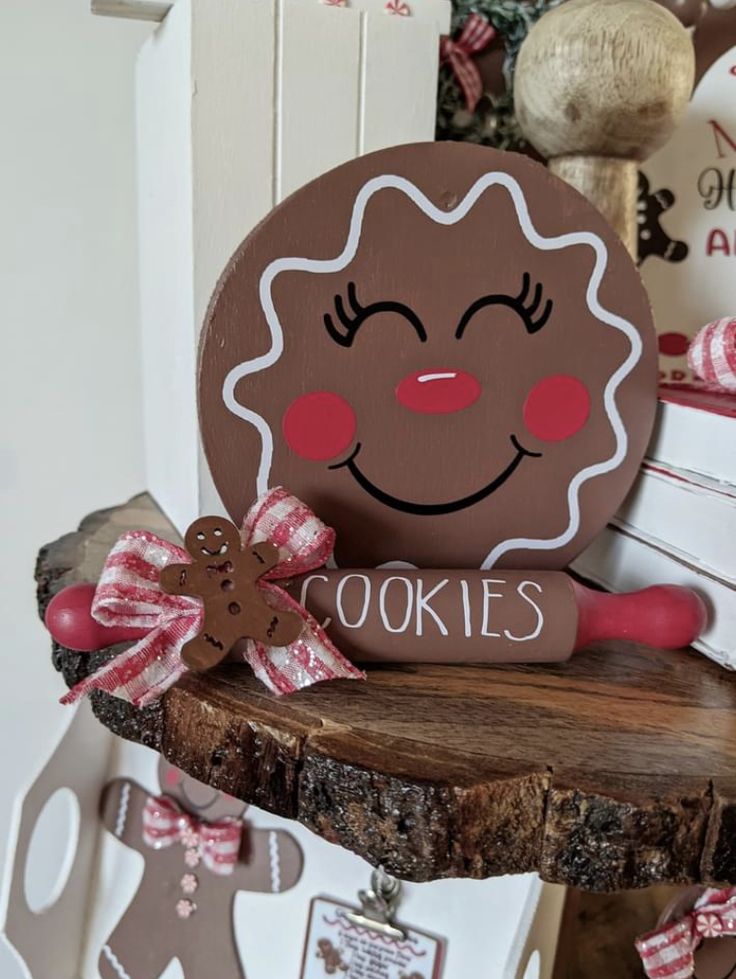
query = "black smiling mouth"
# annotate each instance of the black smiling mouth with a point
(435, 509)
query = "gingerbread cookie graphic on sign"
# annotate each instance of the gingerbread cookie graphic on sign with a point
(653, 240)
(199, 853)
(444, 350)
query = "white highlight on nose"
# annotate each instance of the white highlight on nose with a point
(448, 375)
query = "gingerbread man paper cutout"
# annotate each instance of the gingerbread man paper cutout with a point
(225, 576)
(444, 350)
(183, 909)
(653, 239)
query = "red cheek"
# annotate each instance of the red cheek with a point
(319, 425)
(556, 408)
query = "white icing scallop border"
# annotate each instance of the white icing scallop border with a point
(491, 179)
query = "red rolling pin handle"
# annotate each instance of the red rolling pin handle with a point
(663, 616)
(69, 620)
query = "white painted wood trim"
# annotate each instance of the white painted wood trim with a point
(436, 12)
(166, 217)
(151, 10)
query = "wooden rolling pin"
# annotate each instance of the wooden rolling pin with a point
(599, 86)
(425, 616)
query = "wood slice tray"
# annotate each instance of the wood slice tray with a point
(614, 770)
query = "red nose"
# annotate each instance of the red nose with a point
(438, 392)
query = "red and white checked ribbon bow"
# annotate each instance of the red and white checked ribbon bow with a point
(217, 844)
(476, 34)
(669, 952)
(129, 594)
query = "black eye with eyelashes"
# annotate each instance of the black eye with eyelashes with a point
(528, 309)
(352, 318)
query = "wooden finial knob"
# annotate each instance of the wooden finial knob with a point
(600, 85)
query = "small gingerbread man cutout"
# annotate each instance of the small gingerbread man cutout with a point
(225, 576)
(184, 907)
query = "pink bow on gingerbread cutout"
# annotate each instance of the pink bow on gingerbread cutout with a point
(129, 596)
(216, 844)
(669, 951)
(476, 34)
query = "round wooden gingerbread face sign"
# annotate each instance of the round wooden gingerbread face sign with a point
(444, 350)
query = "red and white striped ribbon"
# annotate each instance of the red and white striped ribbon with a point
(218, 843)
(669, 952)
(476, 34)
(129, 594)
(712, 354)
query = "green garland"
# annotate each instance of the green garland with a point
(494, 122)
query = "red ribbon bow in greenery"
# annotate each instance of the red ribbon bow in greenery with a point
(475, 35)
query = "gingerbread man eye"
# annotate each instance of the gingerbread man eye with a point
(352, 319)
(534, 312)
(319, 426)
(200, 536)
(556, 408)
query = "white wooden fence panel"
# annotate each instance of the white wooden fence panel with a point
(233, 174)
(318, 107)
(169, 329)
(240, 103)
(395, 109)
(231, 130)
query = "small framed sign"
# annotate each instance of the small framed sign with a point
(341, 942)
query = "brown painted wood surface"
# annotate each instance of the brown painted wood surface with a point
(614, 770)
